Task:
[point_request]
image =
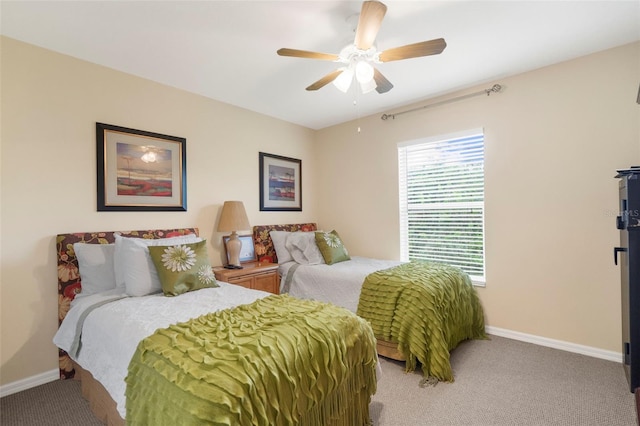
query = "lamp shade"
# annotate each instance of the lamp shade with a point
(233, 217)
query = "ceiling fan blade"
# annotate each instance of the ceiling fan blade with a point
(424, 48)
(382, 84)
(325, 80)
(369, 23)
(307, 54)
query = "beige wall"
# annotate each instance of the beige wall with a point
(553, 139)
(50, 104)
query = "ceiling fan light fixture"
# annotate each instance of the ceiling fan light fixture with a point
(364, 72)
(343, 81)
(368, 86)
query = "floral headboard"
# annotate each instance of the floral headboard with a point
(69, 275)
(262, 241)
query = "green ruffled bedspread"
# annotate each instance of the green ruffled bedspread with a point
(425, 307)
(277, 361)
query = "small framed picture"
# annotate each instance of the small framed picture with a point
(247, 252)
(280, 183)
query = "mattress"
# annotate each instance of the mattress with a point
(339, 283)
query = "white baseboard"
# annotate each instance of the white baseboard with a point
(29, 382)
(556, 344)
(52, 375)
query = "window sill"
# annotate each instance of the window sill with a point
(479, 283)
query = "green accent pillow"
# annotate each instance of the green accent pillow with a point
(331, 247)
(183, 267)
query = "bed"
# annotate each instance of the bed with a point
(211, 354)
(419, 311)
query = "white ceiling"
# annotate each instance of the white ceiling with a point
(226, 50)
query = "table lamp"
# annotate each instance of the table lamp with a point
(233, 218)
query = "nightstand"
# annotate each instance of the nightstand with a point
(256, 275)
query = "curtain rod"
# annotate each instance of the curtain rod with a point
(496, 88)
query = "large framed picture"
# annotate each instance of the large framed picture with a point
(139, 170)
(280, 183)
(247, 252)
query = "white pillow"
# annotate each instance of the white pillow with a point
(96, 265)
(279, 239)
(134, 269)
(303, 248)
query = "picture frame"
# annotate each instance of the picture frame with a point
(140, 170)
(280, 183)
(247, 252)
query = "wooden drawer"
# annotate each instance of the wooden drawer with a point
(267, 282)
(256, 276)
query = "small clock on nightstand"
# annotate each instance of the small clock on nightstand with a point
(254, 275)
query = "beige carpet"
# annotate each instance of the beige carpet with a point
(507, 382)
(498, 382)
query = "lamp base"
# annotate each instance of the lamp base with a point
(234, 246)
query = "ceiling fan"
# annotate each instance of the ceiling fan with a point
(359, 58)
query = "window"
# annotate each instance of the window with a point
(442, 201)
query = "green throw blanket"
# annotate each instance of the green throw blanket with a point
(425, 307)
(277, 361)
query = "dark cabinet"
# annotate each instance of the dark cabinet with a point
(627, 256)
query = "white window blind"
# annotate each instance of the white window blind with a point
(442, 201)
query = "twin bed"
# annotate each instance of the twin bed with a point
(247, 358)
(223, 354)
(419, 311)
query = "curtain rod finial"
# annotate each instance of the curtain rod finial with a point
(496, 88)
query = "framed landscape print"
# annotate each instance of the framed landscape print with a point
(139, 170)
(280, 183)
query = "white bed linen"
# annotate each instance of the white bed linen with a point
(111, 333)
(339, 283)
